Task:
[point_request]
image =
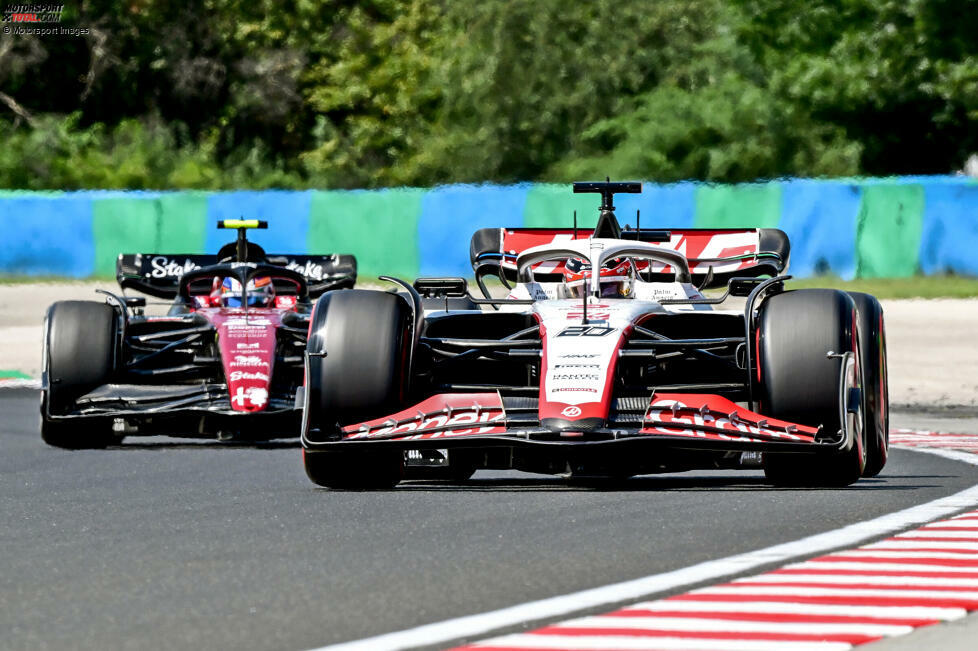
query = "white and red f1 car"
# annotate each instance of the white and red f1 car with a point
(606, 359)
(224, 362)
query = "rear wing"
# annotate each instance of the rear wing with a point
(727, 252)
(158, 274)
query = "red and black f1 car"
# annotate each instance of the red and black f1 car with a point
(607, 358)
(224, 362)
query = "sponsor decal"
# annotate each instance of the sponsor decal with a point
(571, 412)
(237, 332)
(579, 356)
(235, 323)
(162, 267)
(671, 291)
(255, 396)
(577, 366)
(591, 316)
(485, 420)
(252, 346)
(572, 389)
(309, 269)
(575, 376)
(236, 376)
(585, 331)
(595, 312)
(248, 360)
(285, 301)
(661, 411)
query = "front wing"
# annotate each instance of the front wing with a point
(181, 410)
(676, 421)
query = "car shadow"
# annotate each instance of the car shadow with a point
(641, 484)
(203, 444)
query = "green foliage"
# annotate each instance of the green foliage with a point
(373, 96)
(298, 93)
(526, 78)
(138, 155)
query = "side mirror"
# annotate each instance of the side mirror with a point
(135, 301)
(743, 286)
(441, 287)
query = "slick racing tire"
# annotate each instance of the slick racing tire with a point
(876, 416)
(342, 470)
(363, 373)
(800, 384)
(80, 339)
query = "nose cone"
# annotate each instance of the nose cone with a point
(248, 352)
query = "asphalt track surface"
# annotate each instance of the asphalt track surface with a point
(169, 544)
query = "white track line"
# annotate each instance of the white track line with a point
(789, 608)
(909, 552)
(884, 567)
(653, 623)
(478, 625)
(849, 579)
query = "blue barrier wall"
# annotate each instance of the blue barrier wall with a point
(852, 227)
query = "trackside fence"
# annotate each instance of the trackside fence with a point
(865, 227)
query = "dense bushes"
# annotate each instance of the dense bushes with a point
(221, 94)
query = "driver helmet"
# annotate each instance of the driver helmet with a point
(617, 278)
(261, 292)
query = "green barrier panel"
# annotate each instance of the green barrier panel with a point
(754, 205)
(169, 223)
(888, 231)
(553, 206)
(380, 228)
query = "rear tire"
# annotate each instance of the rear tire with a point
(80, 340)
(872, 345)
(800, 384)
(363, 375)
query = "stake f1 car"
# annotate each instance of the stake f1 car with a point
(225, 362)
(606, 359)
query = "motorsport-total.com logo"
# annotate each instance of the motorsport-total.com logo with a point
(32, 13)
(36, 19)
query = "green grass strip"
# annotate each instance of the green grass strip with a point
(945, 286)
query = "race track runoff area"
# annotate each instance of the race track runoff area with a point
(832, 602)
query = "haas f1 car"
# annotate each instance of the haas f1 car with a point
(225, 361)
(608, 358)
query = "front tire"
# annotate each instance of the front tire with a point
(80, 341)
(800, 384)
(359, 348)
